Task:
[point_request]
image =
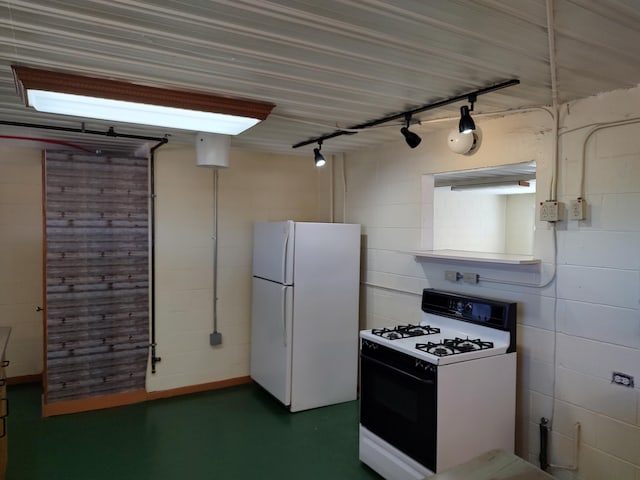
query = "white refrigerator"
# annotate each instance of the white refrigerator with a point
(304, 315)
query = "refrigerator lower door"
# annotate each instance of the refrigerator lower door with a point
(325, 337)
(271, 325)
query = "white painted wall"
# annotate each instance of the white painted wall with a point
(573, 332)
(469, 221)
(255, 187)
(481, 222)
(520, 223)
(21, 257)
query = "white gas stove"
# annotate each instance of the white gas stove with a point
(438, 393)
(439, 342)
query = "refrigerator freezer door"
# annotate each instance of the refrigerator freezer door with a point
(271, 328)
(273, 251)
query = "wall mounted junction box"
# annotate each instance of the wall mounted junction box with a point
(470, 277)
(550, 211)
(577, 209)
(452, 276)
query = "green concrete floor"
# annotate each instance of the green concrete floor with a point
(235, 433)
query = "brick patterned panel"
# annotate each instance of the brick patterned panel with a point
(97, 275)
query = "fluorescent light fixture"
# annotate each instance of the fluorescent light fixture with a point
(138, 113)
(513, 187)
(75, 95)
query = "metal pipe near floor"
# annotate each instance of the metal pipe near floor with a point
(152, 226)
(544, 447)
(544, 442)
(216, 337)
(212, 150)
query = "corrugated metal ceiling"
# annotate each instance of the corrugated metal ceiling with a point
(325, 64)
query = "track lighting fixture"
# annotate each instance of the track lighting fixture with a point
(318, 158)
(467, 125)
(412, 139)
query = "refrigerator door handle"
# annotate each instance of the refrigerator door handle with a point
(284, 316)
(285, 247)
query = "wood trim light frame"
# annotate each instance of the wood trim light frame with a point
(120, 101)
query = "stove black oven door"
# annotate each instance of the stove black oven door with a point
(398, 401)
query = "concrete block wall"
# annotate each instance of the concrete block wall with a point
(583, 320)
(255, 187)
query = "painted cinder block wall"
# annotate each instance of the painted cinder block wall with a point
(256, 186)
(572, 333)
(582, 323)
(21, 257)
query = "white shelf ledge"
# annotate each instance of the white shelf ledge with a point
(486, 257)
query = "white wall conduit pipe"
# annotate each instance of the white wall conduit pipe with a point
(212, 150)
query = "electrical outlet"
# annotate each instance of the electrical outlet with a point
(549, 211)
(451, 276)
(577, 210)
(470, 277)
(622, 379)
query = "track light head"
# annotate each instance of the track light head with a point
(466, 125)
(318, 158)
(412, 139)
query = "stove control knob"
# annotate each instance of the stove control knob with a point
(368, 344)
(426, 366)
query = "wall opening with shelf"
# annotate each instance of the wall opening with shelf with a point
(490, 210)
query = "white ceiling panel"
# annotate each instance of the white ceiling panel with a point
(325, 65)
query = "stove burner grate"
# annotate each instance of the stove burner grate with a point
(405, 331)
(453, 346)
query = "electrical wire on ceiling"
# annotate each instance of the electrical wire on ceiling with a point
(46, 140)
(108, 133)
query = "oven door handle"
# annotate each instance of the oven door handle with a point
(426, 381)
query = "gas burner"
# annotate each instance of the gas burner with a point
(467, 344)
(438, 349)
(405, 331)
(453, 346)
